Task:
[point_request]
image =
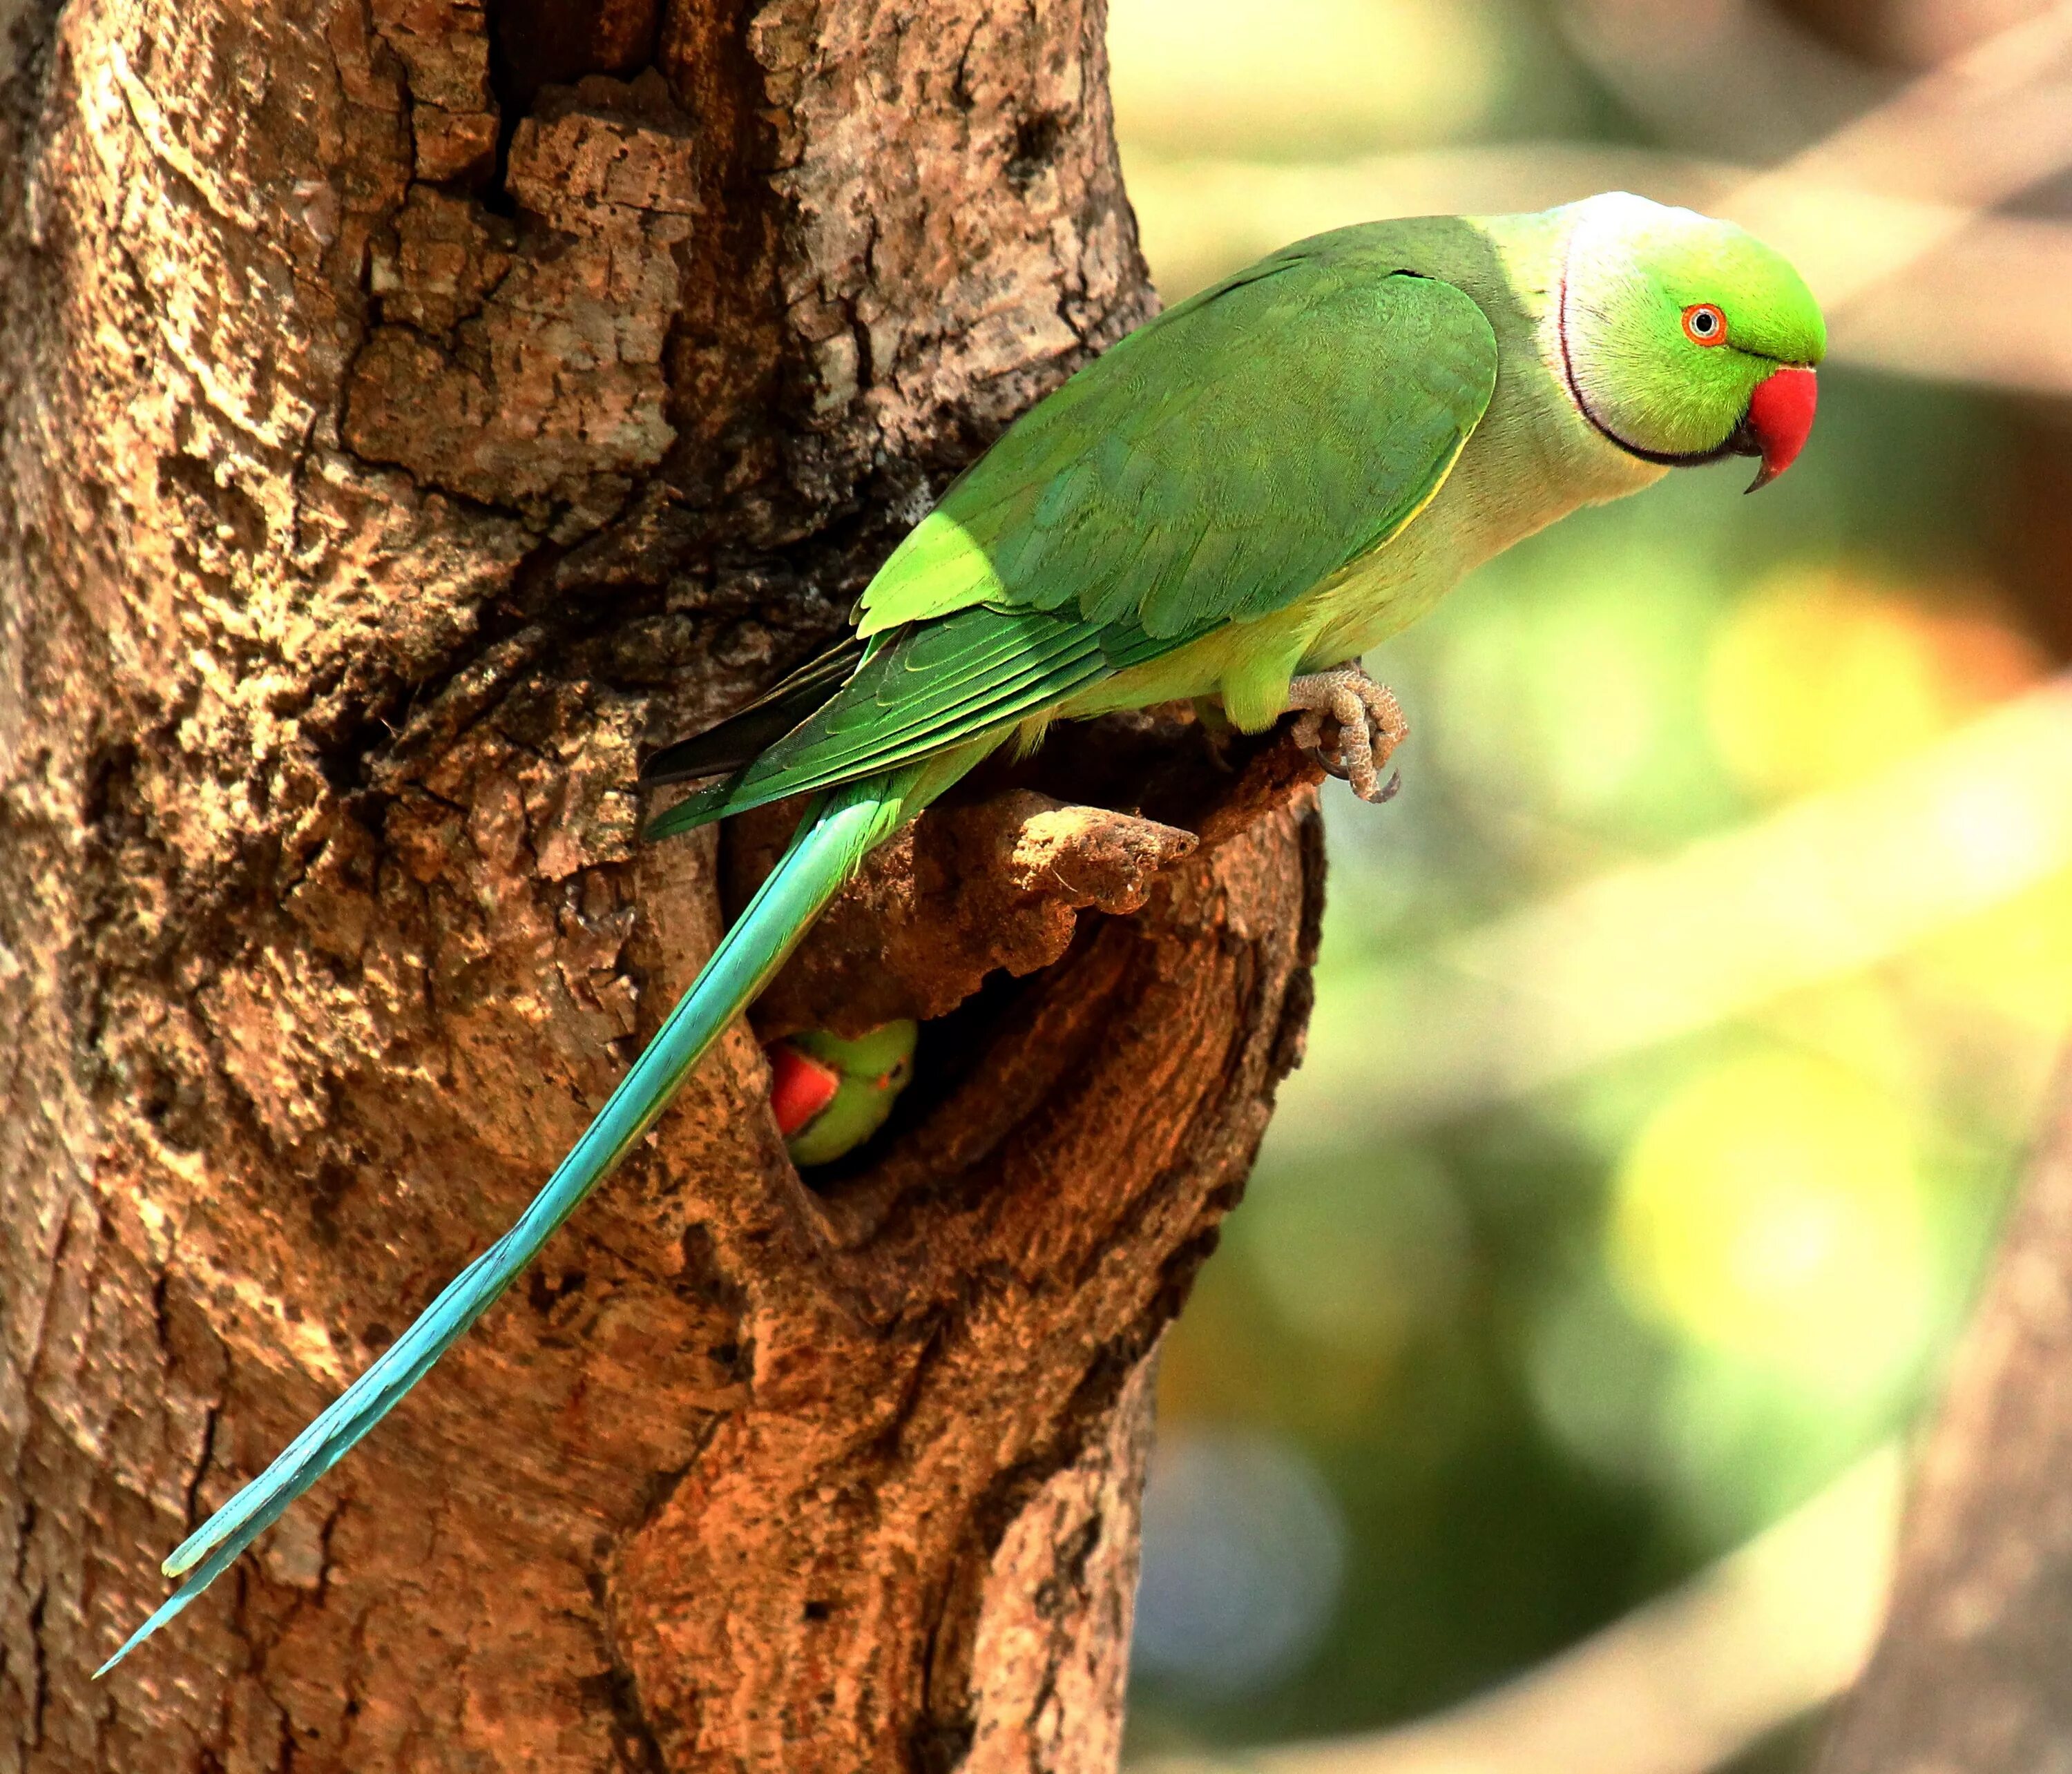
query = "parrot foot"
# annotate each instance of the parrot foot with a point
(1369, 727)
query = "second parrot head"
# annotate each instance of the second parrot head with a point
(1684, 339)
(830, 1094)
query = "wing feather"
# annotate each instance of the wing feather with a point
(902, 704)
(743, 736)
(1241, 449)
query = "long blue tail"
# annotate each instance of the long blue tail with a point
(832, 840)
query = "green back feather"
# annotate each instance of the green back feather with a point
(1222, 461)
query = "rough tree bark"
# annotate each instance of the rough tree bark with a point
(410, 411)
(1971, 1675)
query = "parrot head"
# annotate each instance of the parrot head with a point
(829, 1094)
(1683, 340)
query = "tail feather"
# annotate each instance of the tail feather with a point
(832, 840)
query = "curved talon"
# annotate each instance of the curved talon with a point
(1332, 760)
(1368, 723)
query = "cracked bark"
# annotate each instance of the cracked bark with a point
(410, 411)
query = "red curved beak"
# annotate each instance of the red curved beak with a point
(1780, 419)
(800, 1087)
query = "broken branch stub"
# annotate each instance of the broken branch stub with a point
(996, 882)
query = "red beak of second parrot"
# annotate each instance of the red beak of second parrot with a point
(1780, 419)
(800, 1087)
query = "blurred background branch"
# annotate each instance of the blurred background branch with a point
(1971, 1674)
(1825, 886)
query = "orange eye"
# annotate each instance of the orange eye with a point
(1704, 325)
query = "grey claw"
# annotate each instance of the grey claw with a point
(1368, 722)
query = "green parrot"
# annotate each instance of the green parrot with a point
(1235, 502)
(829, 1094)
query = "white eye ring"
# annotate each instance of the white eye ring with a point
(1703, 324)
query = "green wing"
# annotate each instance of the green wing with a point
(1214, 466)
(972, 674)
(1219, 462)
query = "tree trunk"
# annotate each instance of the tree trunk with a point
(410, 413)
(1971, 1676)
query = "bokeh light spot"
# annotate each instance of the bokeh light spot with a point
(1772, 1209)
(1820, 676)
(1244, 1550)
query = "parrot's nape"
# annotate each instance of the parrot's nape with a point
(1235, 502)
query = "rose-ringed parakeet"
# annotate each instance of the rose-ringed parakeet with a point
(1235, 502)
(829, 1094)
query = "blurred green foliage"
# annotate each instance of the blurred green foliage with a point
(1545, 1357)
